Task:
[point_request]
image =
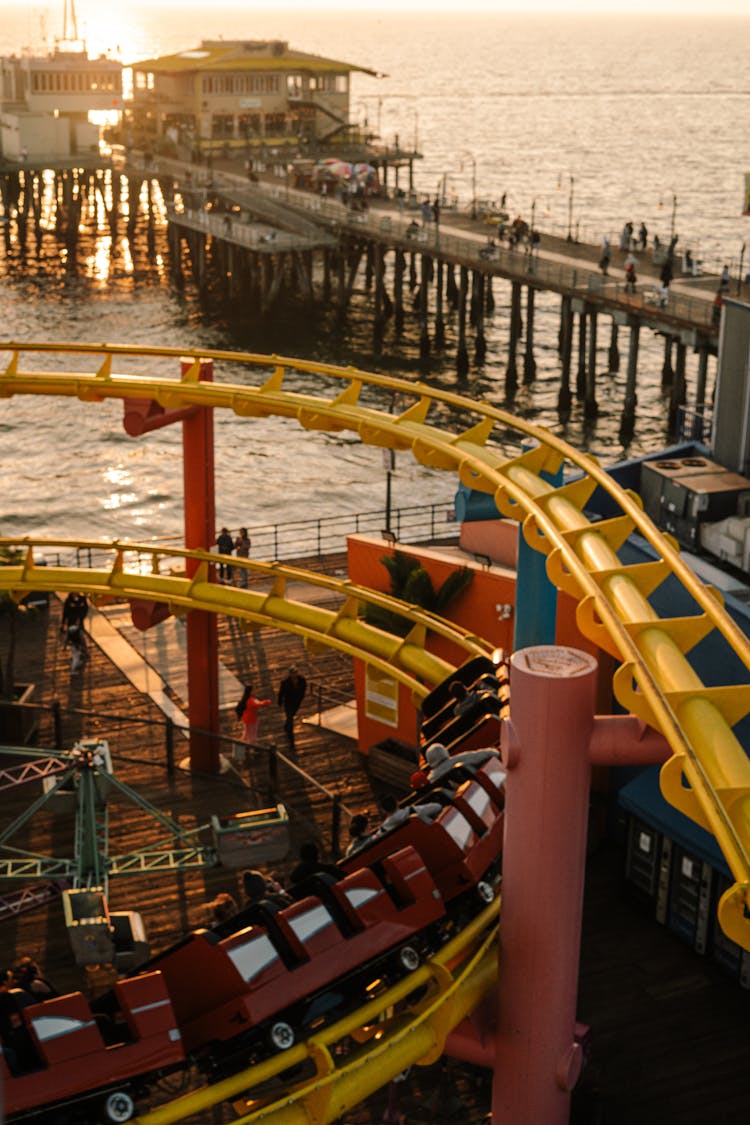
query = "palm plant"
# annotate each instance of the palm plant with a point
(411, 583)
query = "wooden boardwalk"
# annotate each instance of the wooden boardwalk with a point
(670, 1032)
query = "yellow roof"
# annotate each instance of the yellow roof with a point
(213, 56)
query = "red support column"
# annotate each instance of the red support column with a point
(200, 530)
(546, 752)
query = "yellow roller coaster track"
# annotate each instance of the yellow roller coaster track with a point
(402, 658)
(708, 775)
(382, 1038)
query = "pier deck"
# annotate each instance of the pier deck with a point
(670, 1037)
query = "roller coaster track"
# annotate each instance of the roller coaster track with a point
(707, 776)
(382, 1039)
(402, 658)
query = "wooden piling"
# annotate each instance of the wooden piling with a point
(511, 374)
(564, 398)
(529, 362)
(613, 356)
(462, 355)
(631, 398)
(590, 407)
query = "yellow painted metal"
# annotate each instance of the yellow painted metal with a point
(400, 1042)
(405, 660)
(582, 555)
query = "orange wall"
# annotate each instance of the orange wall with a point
(474, 610)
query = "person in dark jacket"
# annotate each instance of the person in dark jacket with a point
(291, 693)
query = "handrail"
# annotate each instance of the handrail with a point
(656, 681)
(342, 628)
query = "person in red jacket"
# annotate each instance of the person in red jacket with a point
(249, 715)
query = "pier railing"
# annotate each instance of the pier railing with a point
(296, 539)
(546, 269)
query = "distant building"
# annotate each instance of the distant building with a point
(235, 94)
(45, 102)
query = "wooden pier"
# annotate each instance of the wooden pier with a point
(669, 1036)
(452, 266)
(260, 245)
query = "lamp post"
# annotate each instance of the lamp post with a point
(673, 220)
(674, 216)
(739, 274)
(533, 213)
(570, 210)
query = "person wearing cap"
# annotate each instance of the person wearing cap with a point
(438, 760)
(291, 693)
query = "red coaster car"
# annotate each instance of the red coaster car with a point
(284, 972)
(59, 1052)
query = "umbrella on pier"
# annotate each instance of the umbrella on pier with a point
(334, 168)
(365, 173)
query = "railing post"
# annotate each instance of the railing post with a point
(57, 724)
(336, 826)
(169, 745)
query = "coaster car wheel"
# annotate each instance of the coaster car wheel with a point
(408, 958)
(118, 1107)
(282, 1036)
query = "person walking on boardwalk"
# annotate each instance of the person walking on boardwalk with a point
(630, 275)
(643, 236)
(249, 716)
(665, 277)
(625, 236)
(242, 551)
(291, 693)
(75, 608)
(225, 544)
(606, 256)
(724, 279)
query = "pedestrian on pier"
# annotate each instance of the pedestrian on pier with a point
(75, 608)
(666, 274)
(436, 211)
(626, 237)
(724, 279)
(643, 236)
(225, 545)
(606, 256)
(426, 212)
(291, 693)
(250, 716)
(630, 275)
(242, 551)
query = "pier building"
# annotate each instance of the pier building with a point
(243, 93)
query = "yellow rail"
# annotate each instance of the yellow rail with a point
(455, 979)
(708, 776)
(404, 658)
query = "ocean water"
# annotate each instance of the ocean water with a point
(622, 117)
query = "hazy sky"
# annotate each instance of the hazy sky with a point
(88, 7)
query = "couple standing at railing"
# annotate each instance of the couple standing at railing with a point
(240, 547)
